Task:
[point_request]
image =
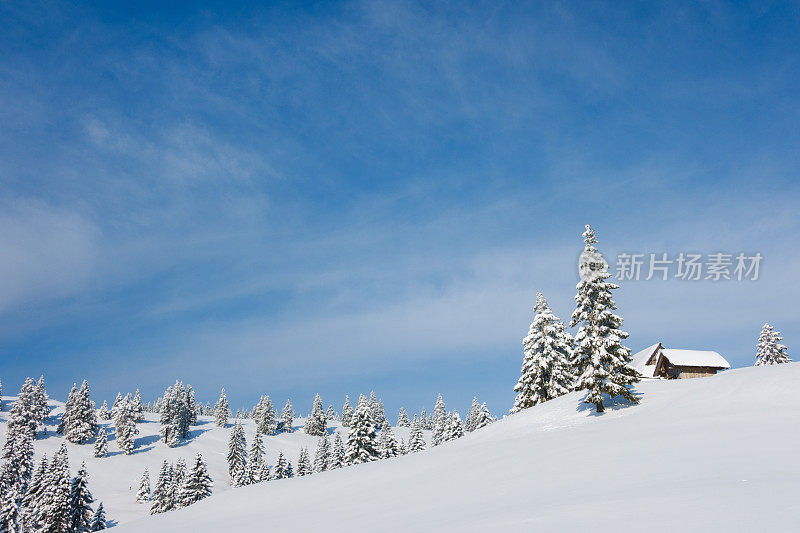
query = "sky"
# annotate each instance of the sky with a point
(288, 198)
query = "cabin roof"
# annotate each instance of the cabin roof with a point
(676, 357)
(695, 358)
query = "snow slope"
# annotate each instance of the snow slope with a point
(711, 454)
(115, 479)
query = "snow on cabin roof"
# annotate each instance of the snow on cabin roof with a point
(640, 358)
(695, 358)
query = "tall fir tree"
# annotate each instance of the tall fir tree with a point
(55, 510)
(416, 441)
(402, 418)
(287, 417)
(237, 456)
(347, 412)
(101, 443)
(103, 413)
(221, 411)
(99, 519)
(279, 470)
(138, 408)
(163, 498)
(322, 455)
(316, 423)
(143, 494)
(330, 414)
(337, 453)
(388, 444)
(34, 496)
(80, 502)
(256, 462)
(65, 417)
(362, 440)
(304, 463)
(125, 426)
(601, 361)
(197, 483)
(770, 351)
(265, 416)
(484, 417)
(81, 424)
(440, 421)
(546, 367)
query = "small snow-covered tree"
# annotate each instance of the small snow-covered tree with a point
(330, 414)
(80, 500)
(256, 464)
(601, 361)
(469, 423)
(163, 496)
(279, 470)
(55, 510)
(221, 411)
(388, 444)
(322, 455)
(101, 443)
(265, 416)
(81, 422)
(64, 422)
(546, 367)
(287, 417)
(197, 484)
(416, 441)
(402, 419)
(10, 515)
(337, 454)
(362, 440)
(440, 421)
(143, 494)
(316, 423)
(103, 413)
(304, 463)
(125, 426)
(237, 456)
(484, 417)
(138, 408)
(770, 350)
(33, 500)
(454, 429)
(347, 412)
(178, 475)
(99, 519)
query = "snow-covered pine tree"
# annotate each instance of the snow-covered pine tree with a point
(197, 484)
(138, 408)
(287, 417)
(178, 475)
(55, 508)
(330, 414)
(416, 441)
(388, 444)
(322, 455)
(402, 419)
(337, 453)
(469, 423)
(99, 519)
(10, 513)
(265, 416)
(221, 410)
(546, 366)
(34, 496)
(379, 415)
(256, 463)
(289, 470)
(770, 351)
(401, 446)
(103, 413)
(17, 454)
(114, 405)
(80, 501)
(39, 402)
(279, 470)
(125, 425)
(362, 440)
(455, 428)
(237, 456)
(64, 422)
(143, 494)
(101, 443)
(81, 425)
(304, 463)
(424, 421)
(601, 361)
(441, 421)
(162, 498)
(316, 423)
(191, 405)
(347, 412)
(484, 417)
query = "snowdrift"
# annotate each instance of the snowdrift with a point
(711, 454)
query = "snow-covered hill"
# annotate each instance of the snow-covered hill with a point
(713, 454)
(114, 479)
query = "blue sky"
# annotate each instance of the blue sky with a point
(337, 197)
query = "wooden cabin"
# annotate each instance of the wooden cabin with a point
(667, 363)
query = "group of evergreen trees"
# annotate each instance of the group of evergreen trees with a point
(595, 360)
(178, 412)
(176, 486)
(45, 499)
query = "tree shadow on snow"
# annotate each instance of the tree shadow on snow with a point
(144, 441)
(616, 403)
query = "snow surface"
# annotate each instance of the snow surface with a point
(114, 480)
(708, 454)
